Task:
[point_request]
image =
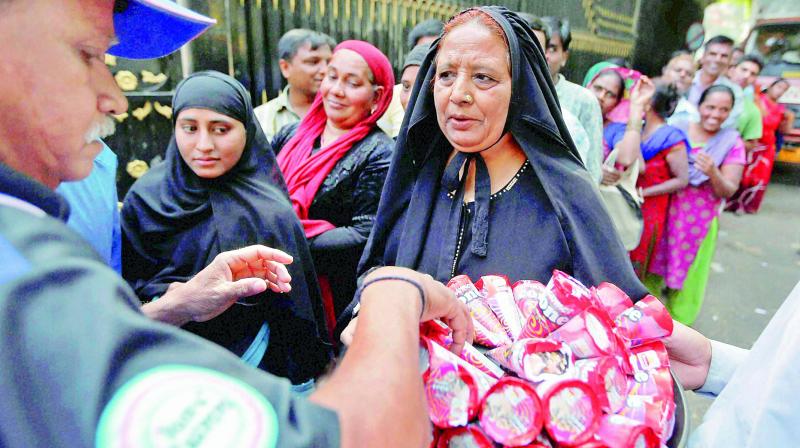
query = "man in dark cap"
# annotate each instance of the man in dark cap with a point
(411, 65)
(422, 34)
(425, 32)
(82, 364)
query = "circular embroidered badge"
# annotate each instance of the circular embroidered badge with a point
(187, 406)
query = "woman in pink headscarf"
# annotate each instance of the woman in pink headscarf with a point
(335, 161)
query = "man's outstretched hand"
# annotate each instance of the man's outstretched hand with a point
(231, 276)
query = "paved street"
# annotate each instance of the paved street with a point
(756, 264)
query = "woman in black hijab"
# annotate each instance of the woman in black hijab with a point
(219, 189)
(527, 204)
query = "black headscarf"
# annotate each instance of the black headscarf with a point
(174, 223)
(419, 170)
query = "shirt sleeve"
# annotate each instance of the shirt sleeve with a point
(725, 359)
(82, 364)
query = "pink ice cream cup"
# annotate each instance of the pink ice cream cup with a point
(622, 432)
(535, 359)
(511, 412)
(527, 294)
(469, 436)
(589, 334)
(497, 294)
(613, 299)
(492, 333)
(646, 321)
(572, 412)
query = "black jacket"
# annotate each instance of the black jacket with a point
(348, 199)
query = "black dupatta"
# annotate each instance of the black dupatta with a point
(418, 172)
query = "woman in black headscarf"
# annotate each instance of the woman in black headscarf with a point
(219, 189)
(484, 100)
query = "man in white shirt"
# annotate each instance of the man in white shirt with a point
(757, 390)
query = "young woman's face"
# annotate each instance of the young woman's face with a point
(715, 110)
(608, 91)
(347, 93)
(209, 142)
(472, 88)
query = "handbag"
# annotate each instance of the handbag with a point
(624, 203)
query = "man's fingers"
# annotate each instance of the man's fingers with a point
(256, 255)
(459, 320)
(245, 288)
(280, 271)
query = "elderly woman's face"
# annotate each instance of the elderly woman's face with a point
(472, 88)
(347, 93)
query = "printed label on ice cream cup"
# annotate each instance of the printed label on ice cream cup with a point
(451, 395)
(511, 413)
(572, 412)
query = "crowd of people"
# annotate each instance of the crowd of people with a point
(318, 228)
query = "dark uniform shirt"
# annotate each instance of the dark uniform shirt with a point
(81, 365)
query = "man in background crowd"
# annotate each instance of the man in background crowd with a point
(714, 64)
(579, 101)
(744, 74)
(422, 35)
(304, 56)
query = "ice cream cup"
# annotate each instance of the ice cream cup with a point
(470, 436)
(480, 311)
(527, 294)
(535, 359)
(572, 412)
(648, 320)
(613, 299)
(589, 334)
(622, 432)
(511, 412)
(497, 294)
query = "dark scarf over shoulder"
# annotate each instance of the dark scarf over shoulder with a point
(174, 224)
(535, 121)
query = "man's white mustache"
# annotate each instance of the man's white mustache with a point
(100, 129)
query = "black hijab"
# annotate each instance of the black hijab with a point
(419, 170)
(174, 223)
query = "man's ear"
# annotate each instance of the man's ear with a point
(566, 58)
(284, 65)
